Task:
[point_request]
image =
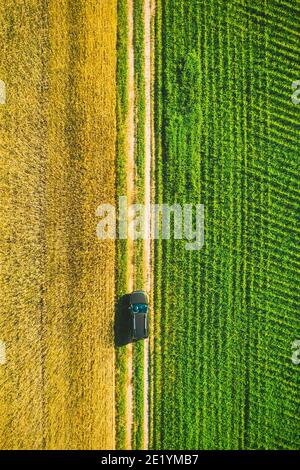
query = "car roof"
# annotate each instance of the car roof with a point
(139, 297)
(140, 325)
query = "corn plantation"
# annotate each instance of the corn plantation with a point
(226, 136)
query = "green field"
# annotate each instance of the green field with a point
(226, 136)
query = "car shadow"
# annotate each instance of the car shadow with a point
(122, 322)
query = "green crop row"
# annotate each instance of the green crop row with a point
(121, 245)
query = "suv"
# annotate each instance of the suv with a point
(139, 310)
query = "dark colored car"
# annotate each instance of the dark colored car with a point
(139, 310)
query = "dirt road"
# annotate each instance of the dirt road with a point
(130, 199)
(147, 202)
(147, 243)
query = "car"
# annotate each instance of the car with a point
(139, 312)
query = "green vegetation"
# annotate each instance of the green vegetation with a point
(139, 78)
(226, 316)
(121, 245)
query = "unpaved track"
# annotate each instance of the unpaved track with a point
(130, 196)
(147, 202)
(147, 245)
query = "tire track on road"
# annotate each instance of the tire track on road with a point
(130, 199)
(147, 202)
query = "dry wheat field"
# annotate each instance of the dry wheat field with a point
(57, 154)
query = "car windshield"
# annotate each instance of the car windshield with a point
(139, 308)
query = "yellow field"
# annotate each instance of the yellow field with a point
(57, 282)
